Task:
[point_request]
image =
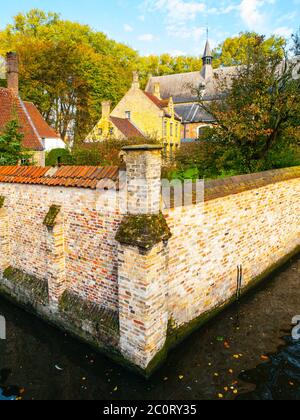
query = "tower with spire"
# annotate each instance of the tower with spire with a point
(207, 59)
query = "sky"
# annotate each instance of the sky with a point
(173, 26)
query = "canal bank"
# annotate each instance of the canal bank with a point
(217, 362)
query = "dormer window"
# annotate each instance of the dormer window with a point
(111, 131)
(128, 115)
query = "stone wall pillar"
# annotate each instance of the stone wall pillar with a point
(56, 274)
(142, 260)
(4, 238)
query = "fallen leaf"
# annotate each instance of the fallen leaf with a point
(220, 396)
(226, 345)
(264, 358)
(116, 389)
(58, 368)
(181, 377)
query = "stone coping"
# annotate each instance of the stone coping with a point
(142, 148)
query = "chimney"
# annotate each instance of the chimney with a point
(106, 110)
(156, 90)
(12, 72)
(135, 81)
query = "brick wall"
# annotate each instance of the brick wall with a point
(85, 232)
(138, 291)
(252, 221)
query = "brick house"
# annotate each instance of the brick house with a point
(139, 114)
(39, 137)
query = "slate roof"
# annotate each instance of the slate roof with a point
(183, 87)
(207, 51)
(66, 176)
(193, 113)
(33, 126)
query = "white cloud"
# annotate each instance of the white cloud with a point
(128, 28)
(181, 16)
(147, 38)
(252, 14)
(141, 18)
(283, 31)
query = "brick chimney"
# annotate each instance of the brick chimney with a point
(156, 90)
(135, 80)
(106, 110)
(12, 72)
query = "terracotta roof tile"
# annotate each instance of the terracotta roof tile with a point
(44, 130)
(11, 107)
(66, 176)
(33, 126)
(162, 104)
(126, 127)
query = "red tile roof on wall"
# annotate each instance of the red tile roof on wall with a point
(66, 176)
(126, 127)
(44, 130)
(33, 126)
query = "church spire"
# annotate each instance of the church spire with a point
(207, 70)
(207, 56)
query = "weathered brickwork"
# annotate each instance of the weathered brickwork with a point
(255, 228)
(79, 253)
(132, 280)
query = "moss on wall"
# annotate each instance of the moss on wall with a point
(104, 321)
(2, 200)
(143, 231)
(51, 216)
(37, 287)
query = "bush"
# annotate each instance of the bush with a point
(106, 153)
(59, 156)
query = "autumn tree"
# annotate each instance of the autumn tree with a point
(67, 69)
(257, 111)
(235, 51)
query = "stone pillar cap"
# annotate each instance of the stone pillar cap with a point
(142, 147)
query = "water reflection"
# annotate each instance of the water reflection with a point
(222, 360)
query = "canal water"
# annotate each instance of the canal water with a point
(245, 353)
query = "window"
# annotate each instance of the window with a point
(111, 131)
(25, 162)
(202, 130)
(128, 115)
(171, 129)
(165, 128)
(176, 134)
(100, 131)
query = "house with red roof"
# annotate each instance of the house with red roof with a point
(139, 114)
(38, 136)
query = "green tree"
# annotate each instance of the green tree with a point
(257, 112)
(11, 151)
